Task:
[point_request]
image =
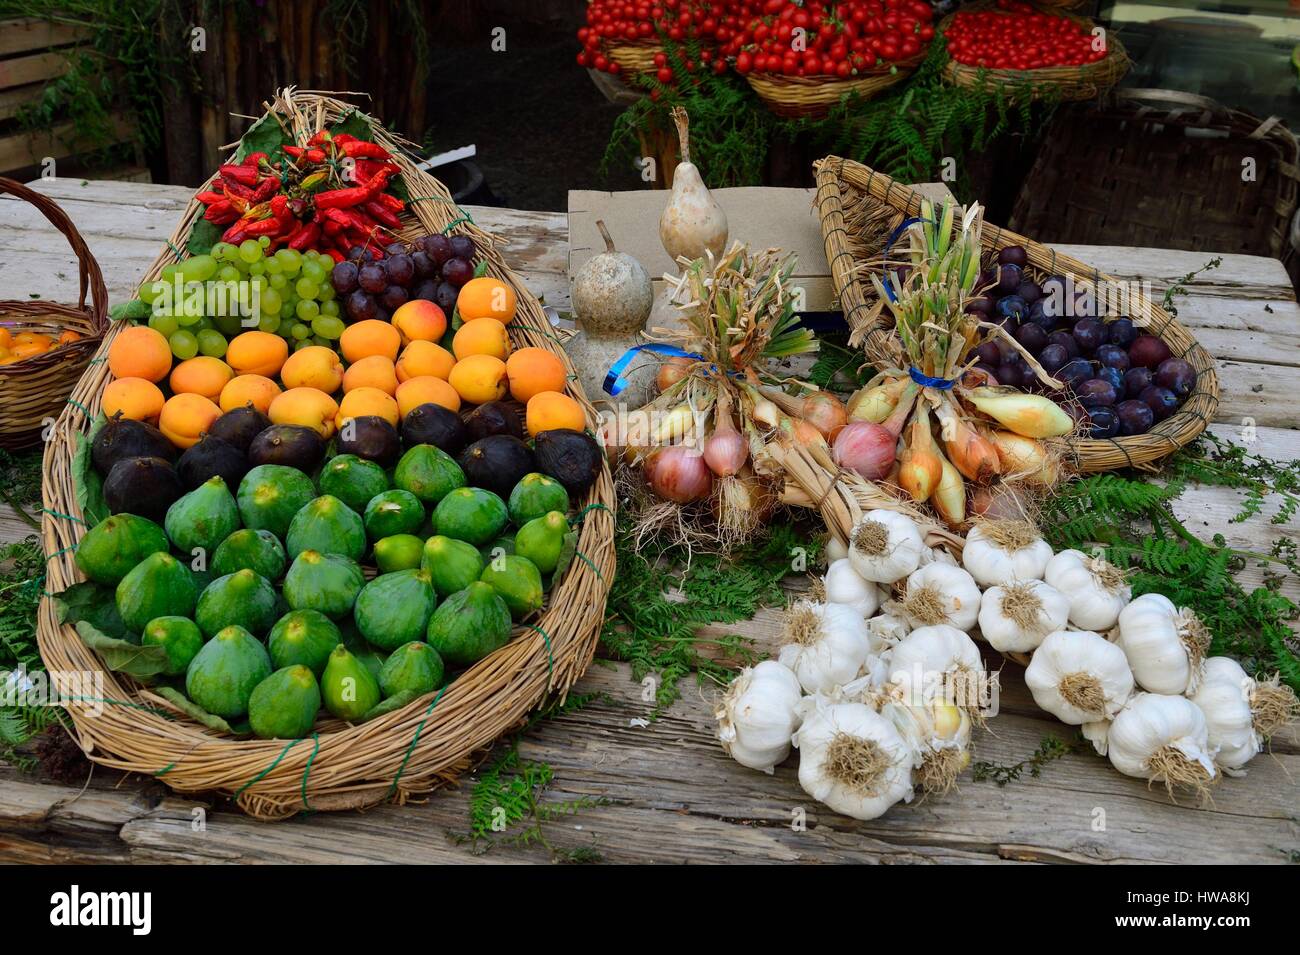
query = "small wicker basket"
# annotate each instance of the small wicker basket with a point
(33, 390)
(814, 96)
(408, 751)
(854, 200)
(1066, 83)
(634, 58)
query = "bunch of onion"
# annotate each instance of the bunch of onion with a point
(948, 428)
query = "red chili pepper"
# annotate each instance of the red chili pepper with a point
(219, 209)
(335, 254)
(359, 149)
(268, 226)
(209, 197)
(382, 214)
(267, 188)
(331, 227)
(236, 233)
(293, 151)
(391, 201)
(321, 137)
(280, 206)
(342, 138)
(252, 159)
(306, 237)
(238, 189)
(244, 175)
(346, 198)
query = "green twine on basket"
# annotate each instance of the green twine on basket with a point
(464, 217)
(315, 739)
(66, 517)
(587, 561)
(550, 655)
(415, 739)
(78, 405)
(274, 763)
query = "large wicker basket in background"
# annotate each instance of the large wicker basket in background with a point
(815, 96)
(859, 206)
(341, 766)
(34, 390)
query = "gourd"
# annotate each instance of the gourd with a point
(612, 290)
(693, 223)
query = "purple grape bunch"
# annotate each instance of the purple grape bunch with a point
(373, 285)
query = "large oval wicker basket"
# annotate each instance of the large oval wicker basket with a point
(859, 208)
(1065, 83)
(34, 390)
(815, 96)
(340, 766)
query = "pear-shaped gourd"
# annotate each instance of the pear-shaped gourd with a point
(693, 223)
(612, 290)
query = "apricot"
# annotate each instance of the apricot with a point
(186, 417)
(140, 352)
(420, 320)
(33, 338)
(426, 389)
(377, 371)
(6, 338)
(482, 336)
(245, 389)
(549, 410)
(486, 297)
(479, 378)
(135, 398)
(307, 407)
(371, 337)
(27, 349)
(203, 375)
(313, 367)
(68, 337)
(257, 353)
(534, 370)
(367, 401)
(425, 358)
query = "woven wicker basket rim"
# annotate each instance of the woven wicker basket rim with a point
(1087, 455)
(406, 752)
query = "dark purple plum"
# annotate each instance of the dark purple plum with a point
(372, 278)
(445, 298)
(344, 277)
(989, 352)
(1136, 380)
(1135, 417)
(1177, 375)
(1112, 356)
(394, 297)
(987, 277)
(1010, 374)
(1090, 333)
(1103, 422)
(462, 247)
(1032, 337)
(1065, 340)
(457, 271)
(981, 304)
(400, 269)
(1013, 255)
(1030, 291)
(1161, 401)
(1075, 371)
(1009, 278)
(1012, 306)
(1147, 351)
(1052, 357)
(1122, 331)
(1115, 377)
(1096, 391)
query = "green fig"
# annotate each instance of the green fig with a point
(328, 526)
(348, 687)
(541, 540)
(242, 598)
(257, 550)
(116, 544)
(222, 677)
(158, 586)
(469, 625)
(452, 565)
(179, 637)
(325, 582)
(519, 583)
(304, 637)
(285, 704)
(203, 518)
(414, 667)
(395, 608)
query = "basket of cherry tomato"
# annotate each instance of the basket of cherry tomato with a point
(853, 47)
(1030, 52)
(625, 36)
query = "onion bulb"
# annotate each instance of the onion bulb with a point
(672, 371)
(920, 468)
(679, 474)
(824, 412)
(866, 449)
(725, 450)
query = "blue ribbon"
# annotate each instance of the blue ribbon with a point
(614, 380)
(925, 381)
(893, 237)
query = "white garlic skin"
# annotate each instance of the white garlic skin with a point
(925, 656)
(991, 564)
(1005, 635)
(1224, 698)
(820, 727)
(1152, 721)
(844, 585)
(757, 716)
(1149, 636)
(902, 553)
(1068, 652)
(959, 593)
(837, 655)
(1092, 606)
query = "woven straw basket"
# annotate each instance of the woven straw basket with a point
(815, 96)
(1055, 82)
(859, 207)
(34, 389)
(341, 766)
(634, 58)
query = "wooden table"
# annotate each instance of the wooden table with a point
(670, 795)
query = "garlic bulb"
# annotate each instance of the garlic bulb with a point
(887, 629)
(852, 759)
(1165, 646)
(999, 552)
(1162, 739)
(846, 586)
(1098, 734)
(941, 593)
(928, 662)
(836, 548)
(885, 546)
(1015, 618)
(826, 644)
(1224, 698)
(1079, 676)
(757, 717)
(1097, 591)
(939, 735)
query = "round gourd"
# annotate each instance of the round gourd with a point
(612, 291)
